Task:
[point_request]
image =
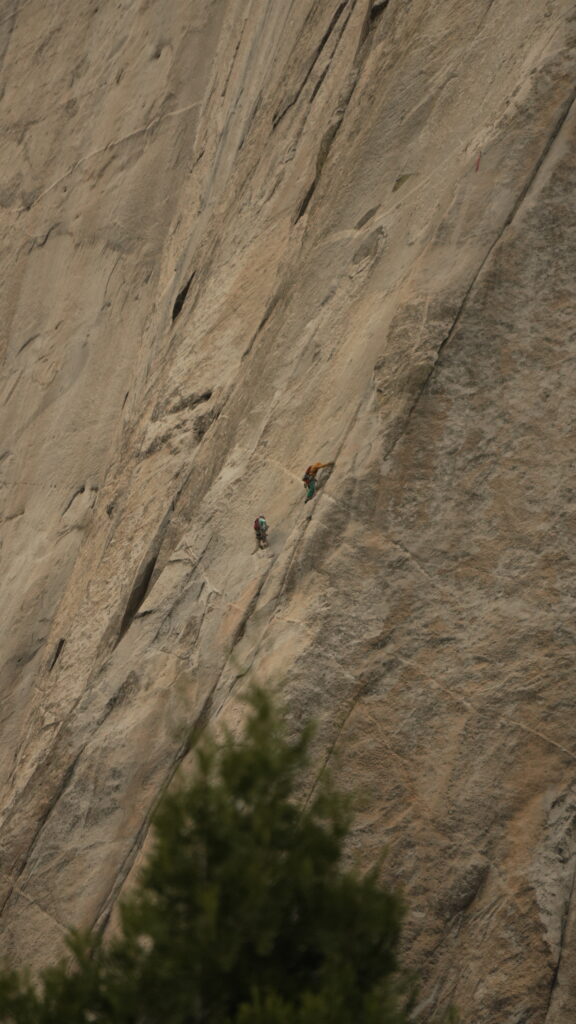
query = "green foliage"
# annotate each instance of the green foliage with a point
(244, 913)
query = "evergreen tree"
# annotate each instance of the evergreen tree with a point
(244, 913)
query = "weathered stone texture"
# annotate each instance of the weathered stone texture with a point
(237, 238)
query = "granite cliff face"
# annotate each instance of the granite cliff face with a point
(236, 238)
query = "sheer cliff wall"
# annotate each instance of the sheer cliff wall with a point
(237, 238)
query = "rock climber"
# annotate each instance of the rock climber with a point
(261, 531)
(309, 478)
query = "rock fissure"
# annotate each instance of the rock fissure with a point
(242, 625)
(324, 73)
(181, 298)
(554, 981)
(377, 9)
(137, 595)
(352, 703)
(57, 652)
(44, 816)
(563, 116)
(410, 554)
(503, 719)
(17, 891)
(79, 490)
(141, 585)
(15, 11)
(39, 243)
(553, 135)
(281, 113)
(327, 142)
(103, 149)
(103, 913)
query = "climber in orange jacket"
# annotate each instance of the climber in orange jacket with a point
(309, 478)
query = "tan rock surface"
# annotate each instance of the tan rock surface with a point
(234, 241)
